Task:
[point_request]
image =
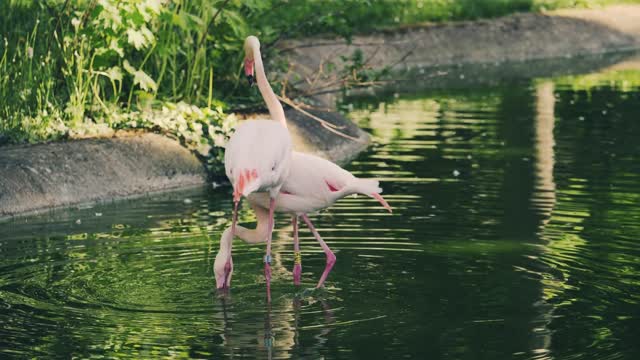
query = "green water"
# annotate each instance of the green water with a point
(514, 236)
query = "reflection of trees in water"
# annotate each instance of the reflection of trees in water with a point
(564, 200)
(490, 141)
(595, 217)
(99, 288)
(575, 204)
(549, 181)
(543, 198)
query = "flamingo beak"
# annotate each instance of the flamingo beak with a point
(382, 201)
(248, 71)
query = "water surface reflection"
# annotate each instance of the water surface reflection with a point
(514, 236)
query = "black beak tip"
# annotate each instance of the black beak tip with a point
(251, 80)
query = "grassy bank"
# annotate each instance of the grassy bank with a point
(74, 68)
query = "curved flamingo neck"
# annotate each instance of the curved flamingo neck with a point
(274, 106)
(226, 242)
(256, 235)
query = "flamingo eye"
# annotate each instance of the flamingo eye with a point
(273, 168)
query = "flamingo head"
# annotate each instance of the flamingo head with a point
(251, 44)
(223, 269)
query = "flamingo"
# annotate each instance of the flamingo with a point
(258, 154)
(312, 184)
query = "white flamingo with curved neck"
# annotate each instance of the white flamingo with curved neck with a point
(258, 154)
(312, 184)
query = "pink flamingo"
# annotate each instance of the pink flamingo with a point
(258, 154)
(312, 184)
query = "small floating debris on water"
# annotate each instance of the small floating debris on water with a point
(187, 201)
(469, 157)
(604, 112)
(98, 214)
(433, 206)
(456, 173)
(581, 118)
(215, 185)
(461, 76)
(78, 222)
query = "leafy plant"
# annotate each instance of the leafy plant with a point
(73, 68)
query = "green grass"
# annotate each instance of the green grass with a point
(67, 66)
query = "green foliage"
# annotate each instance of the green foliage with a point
(95, 66)
(68, 65)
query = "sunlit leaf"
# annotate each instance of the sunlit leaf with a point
(136, 38)
(140, 78)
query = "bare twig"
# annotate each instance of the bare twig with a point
(297, 107)
(325, 124)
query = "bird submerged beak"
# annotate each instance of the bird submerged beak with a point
(248, 71)
(223, 279)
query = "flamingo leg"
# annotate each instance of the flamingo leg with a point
(267, 257)
(331, 258)
(297, 259)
